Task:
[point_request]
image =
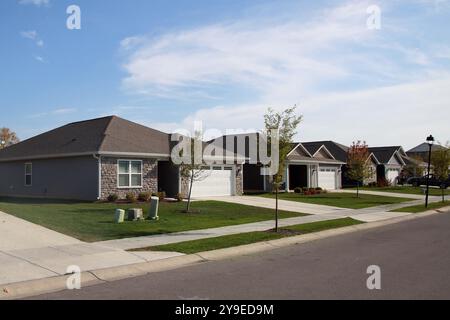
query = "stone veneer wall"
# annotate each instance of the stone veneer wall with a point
(184, 185)
(109, 177)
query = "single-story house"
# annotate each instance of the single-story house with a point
(315, 164)
(422, 151)
(308, 164)
(90, 160)
(390, 162)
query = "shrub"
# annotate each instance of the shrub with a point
(307, 193)
(130, 197)
(179, 197)
(113, 197)
(383, 182)
(144, 196)
(298, 190)
(319, 189)
(161, 195)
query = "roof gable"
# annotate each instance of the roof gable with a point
(323, 153)
(384, 154)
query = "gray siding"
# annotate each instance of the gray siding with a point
(62, 178)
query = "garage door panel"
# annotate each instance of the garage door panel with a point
(327, 179)
(392, 175)
(214, 183)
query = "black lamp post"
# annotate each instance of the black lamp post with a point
(430, 141)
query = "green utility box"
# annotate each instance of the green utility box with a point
(153, 213)
(119, 216)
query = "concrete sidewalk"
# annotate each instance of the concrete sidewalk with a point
(285, 205)
(29, 251)
(147, 241)
(386, 194)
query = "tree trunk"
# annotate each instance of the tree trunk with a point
(357, 189)
(443, 194)
(188, 206)
(276, 207)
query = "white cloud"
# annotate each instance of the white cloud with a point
(39, 58)
(253, 53)
(33, 35)
(37, 3)
(349, 82)
(393, 115)
(64, 111)
(54, 112)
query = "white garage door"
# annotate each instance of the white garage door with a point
(216, 181)
(392, 175)
(327, 178)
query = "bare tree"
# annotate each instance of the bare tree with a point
(286, 122)
(7, 138)
(191, 170)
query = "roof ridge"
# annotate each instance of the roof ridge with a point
(104, 132)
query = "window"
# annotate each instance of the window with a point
(28, 174)
(129, 173)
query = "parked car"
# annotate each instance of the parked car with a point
(418, 181)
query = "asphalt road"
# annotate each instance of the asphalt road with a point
(414, 258)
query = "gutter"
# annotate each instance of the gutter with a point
(99, 160)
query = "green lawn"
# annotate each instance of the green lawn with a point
(90, 222)
(339, 199)
(408, 190)
(250, 237)
(421, 207)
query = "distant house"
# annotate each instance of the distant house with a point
(315, 164)
(308, 164)
(89, 160)
(390, 162)
(422, 151)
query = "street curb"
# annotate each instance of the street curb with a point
(89, 278)
(40, 286)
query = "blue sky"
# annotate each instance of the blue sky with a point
(168, 63)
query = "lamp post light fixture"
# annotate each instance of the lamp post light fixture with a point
(430, 141)
(2, 144)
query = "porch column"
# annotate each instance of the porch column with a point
(308, 175)
(287, 177)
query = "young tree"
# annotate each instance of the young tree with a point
(440, 160)
(192, 170)
(7, 138)
(286, 122)
(358, 163)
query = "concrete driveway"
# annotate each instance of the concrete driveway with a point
(29, 251)
(285, 205)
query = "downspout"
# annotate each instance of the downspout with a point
(99, 166)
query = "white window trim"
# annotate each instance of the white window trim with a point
(129, 174)
(28, 174)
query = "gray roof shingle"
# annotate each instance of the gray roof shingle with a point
(107, 134)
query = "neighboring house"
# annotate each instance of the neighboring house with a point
(89, 160)
(391, 160)
(422, 151)
(308, 164)
(315, 164)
